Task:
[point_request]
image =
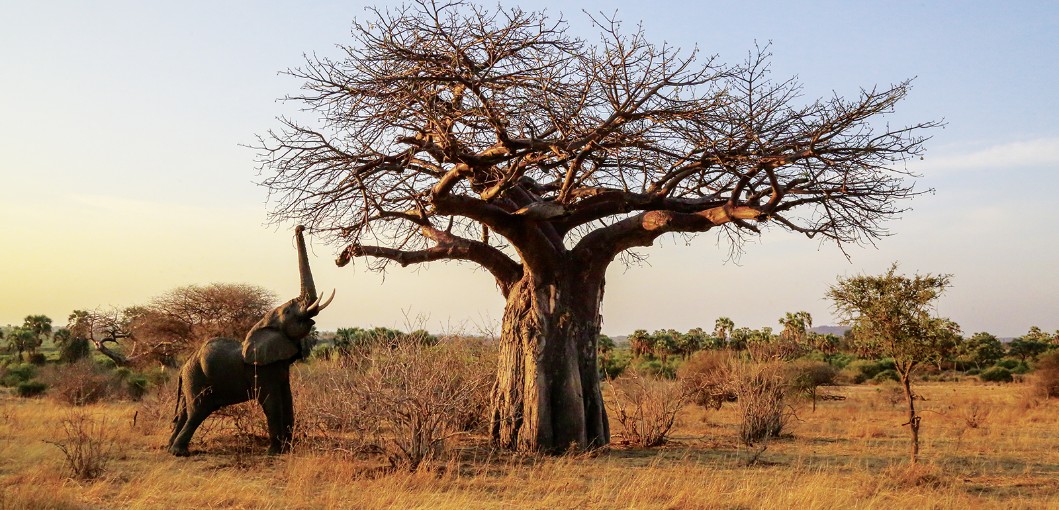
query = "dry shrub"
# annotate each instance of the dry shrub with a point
(244, 421)
(88, 445)
(974, 413)
(404, 400)
(775, 349)
(761, 390)
(423, 394)
(157, 408)
(912, 475)
(704, 377)
(646, 407)
(81, 383)
(891, 392)
(327, 408)
(1046, 375)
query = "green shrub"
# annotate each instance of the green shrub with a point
(16, 374)
(1008, 363)
(615, 364)
(38, 358)
(655, 368)
(1021, 368)
(886, 375)
(973, 371)
(996, 374)
(861, 370)
(75, 349)
(807, 376)
(30, 388)
(840, 360)
(136, 385)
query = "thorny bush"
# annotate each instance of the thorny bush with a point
(404, 400)
(647, 407)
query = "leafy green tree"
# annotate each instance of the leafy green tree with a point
(796, 326)
(71, 348)
(723, 327)
(828, 344)
(641, 342)
(666, 342)
(1027, 348)
(40, 326)
(21, 340)
(981, 349)
(1036, 334)
(891, 314)
(693, 341)
(740, 337)
(604, 347)
(359, 340)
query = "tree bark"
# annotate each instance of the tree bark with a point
(547, 395)
(913, 418)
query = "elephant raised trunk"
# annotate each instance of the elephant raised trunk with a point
(308, 287)
(308, 296)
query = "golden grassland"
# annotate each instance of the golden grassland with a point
(984, 446)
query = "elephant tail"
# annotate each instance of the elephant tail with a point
(179, 398)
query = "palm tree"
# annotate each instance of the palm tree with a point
(723, 328)
(795, 326)
(40, 327)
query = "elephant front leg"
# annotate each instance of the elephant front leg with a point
(279, 413)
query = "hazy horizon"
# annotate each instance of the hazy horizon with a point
(125, 173)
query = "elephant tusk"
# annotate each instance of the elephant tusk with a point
(317, 306)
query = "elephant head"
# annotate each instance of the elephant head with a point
(278, 336)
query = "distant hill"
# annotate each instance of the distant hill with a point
(830, 330)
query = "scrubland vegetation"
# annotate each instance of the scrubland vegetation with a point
(389, 420)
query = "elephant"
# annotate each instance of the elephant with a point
(225, 371)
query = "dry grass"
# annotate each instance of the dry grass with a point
(848, 454)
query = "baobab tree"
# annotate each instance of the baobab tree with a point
(451, 131)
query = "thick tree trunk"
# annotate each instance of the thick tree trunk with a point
(547, 395)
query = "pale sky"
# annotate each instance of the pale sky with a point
(123, 175)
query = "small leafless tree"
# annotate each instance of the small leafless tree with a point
(449, 131)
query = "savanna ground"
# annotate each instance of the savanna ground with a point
(984, 446)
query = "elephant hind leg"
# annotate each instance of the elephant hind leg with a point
(180, 411)
(179, 421)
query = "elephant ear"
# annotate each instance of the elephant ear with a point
(267, 345)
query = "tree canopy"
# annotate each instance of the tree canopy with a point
(441, 119)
